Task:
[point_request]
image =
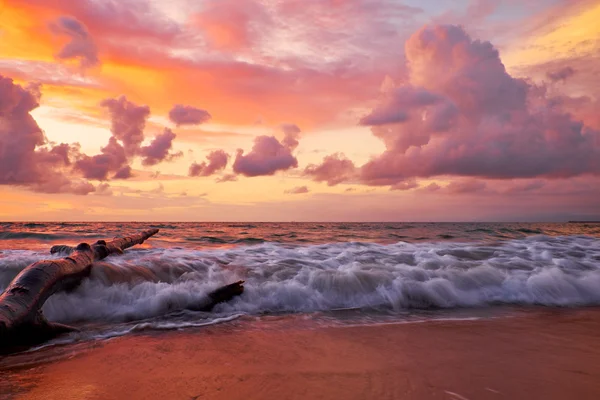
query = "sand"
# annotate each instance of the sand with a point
(533, 355)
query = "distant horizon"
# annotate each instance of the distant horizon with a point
(299, 222)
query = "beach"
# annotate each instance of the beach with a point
(532, 354)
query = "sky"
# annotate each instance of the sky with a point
(299, 110)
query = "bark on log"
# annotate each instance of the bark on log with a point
(21, 319)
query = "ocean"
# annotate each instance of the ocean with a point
(331, 273)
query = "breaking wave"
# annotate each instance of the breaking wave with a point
(146, 283)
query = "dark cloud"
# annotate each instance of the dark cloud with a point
(334, 169)
(81, 46)
(188, 115)
(217, 161)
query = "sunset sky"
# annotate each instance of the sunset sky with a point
(299, 110)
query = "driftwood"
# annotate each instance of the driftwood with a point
(21, 320)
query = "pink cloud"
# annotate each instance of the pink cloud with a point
(233, 25)
(128, 121)
(405, 185)
(466, 116)
(188, 115)
(561, 74)
(267, 157)
(134, 19)
(291, 134)
(159, 149)
(466, 186)
(81, 46)
(297, 190)
(217, 161)
(111, 159)
(227, 178)
(26, 158)
(334, 169)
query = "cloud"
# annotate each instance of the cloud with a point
(128, 121)
(81, 46)
(217, 161)
(291, 134)
(467, 186)
(124, 172)
(334, 169)
(464, 115)
(432, 187)
(159, 149)
(525, 187)
(26, 158)
(267, 156)
(103, 189)
(231, 25)
(137, 20)
(297, 190)
(561, 74)
(111, 159)
(188, 115)
(227, 178)
(405, 185)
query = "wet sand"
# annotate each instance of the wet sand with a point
(548, 354)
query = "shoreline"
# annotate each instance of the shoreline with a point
(550, 354)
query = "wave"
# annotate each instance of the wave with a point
(538, 270)
(32, 235)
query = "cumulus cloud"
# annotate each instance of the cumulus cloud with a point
(291, 134)
(188, 115)
(217, 161)
(26, 158)
(81, 46)
(334, 169)
(128, 121)
(159, 149)
(111, 159)
(297, 190)
(268, 155)
(458, 112)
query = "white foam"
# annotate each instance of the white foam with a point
(553, 271)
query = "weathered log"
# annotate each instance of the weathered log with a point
(21, 319)
(221, 295)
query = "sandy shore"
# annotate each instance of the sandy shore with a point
(534, 355)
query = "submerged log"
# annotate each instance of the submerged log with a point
(22, 323)
(21, 318)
